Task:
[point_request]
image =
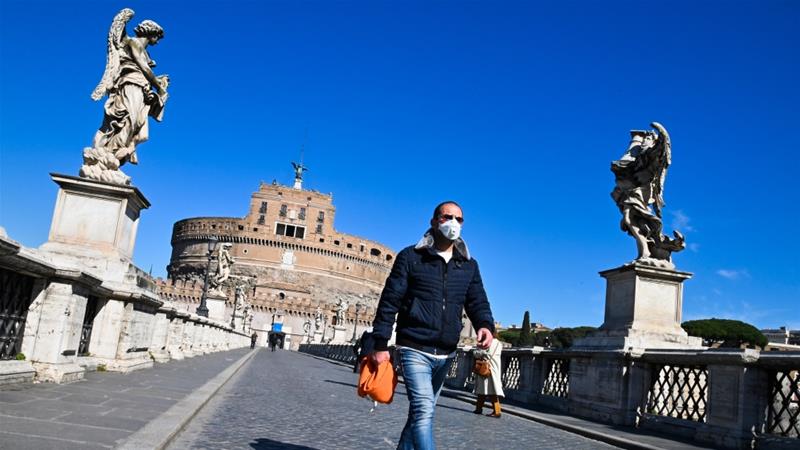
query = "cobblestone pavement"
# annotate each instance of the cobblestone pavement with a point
(291, 401)
(104, 407)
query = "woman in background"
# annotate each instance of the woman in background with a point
(491, 386)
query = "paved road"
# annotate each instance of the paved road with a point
(291, 401)
(102, 409)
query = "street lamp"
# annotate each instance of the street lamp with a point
(355, 324)
(202, 310)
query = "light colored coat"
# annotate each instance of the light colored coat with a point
(492, 385)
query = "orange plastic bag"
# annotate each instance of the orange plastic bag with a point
(378, 384)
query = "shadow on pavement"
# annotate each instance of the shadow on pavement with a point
(352, 385)
(269, 444)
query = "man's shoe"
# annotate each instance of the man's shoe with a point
(496, 416)
(477, 411)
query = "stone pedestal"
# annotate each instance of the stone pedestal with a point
(317, 337)
(215, 302)
(96, 223)
(643, 310)
(339, 335)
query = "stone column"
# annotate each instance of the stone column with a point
(530, 381)
(188, 336)
(161, 330)
(57, 318)
(737, 398)
(175, 338)
(134, 341)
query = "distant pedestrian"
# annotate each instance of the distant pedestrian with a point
(430, 284)
(273, 341)
(253, 339)
(490, 387)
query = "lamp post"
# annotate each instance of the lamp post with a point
(355, 324)
(202, 310)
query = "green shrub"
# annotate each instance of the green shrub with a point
(101, 367)
(20, 357)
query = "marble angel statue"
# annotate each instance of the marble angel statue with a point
(134, 94)
(639, 193)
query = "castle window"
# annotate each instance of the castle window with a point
(241, 227)
(336, 242)
(388, 257)
(283, 211)
(363, 247)
(263, 208)
(302, 215)
(322, 239)
(282, 295)
(319, 228)
(261, 219)
(375, 252)
(321, 217)
(283, 229)
(349, 245)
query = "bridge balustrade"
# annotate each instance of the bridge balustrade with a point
(727, 397)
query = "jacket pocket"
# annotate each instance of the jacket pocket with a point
(420, 314)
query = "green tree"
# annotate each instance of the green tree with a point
(525, 335)
(510, 336)
(565, 337)
(727, 333)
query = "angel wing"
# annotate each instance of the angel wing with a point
(112, 58)
(663, 161)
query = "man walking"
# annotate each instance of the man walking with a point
(428, 287)
(253, 339)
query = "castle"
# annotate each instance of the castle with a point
(294, 263)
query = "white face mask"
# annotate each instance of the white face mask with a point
(450, 229)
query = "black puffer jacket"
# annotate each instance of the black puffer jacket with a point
(428, 297)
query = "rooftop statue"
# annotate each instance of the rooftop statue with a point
(640, 176)
(298, 170)
(134, 93)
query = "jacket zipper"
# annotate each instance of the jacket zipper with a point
(444, 300)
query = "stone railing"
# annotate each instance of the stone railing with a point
(728, 398)
(61, 321)
(336, 352)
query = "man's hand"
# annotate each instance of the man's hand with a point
(379, 357)
(484, 338)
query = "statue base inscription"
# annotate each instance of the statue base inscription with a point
(643, 310)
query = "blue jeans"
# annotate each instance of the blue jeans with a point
(424, 376)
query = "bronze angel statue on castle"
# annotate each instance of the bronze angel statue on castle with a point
(640, 176)
(134, 93)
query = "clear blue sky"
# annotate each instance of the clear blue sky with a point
(514, 109)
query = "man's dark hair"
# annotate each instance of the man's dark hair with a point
(439, 207)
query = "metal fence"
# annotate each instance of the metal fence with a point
(15, 297)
